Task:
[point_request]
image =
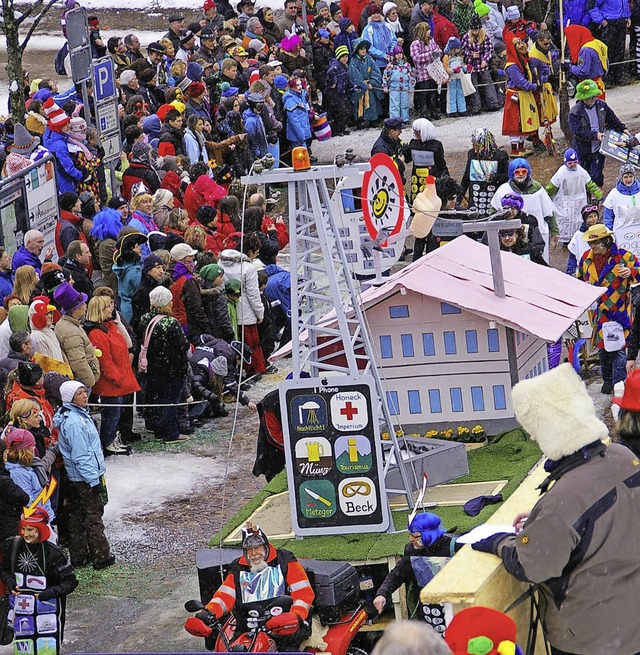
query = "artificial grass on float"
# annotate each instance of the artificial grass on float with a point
(507, 456)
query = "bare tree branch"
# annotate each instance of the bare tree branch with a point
(36, 21)
(27, 12)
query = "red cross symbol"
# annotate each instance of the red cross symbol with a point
(349, 411)
(23, 603)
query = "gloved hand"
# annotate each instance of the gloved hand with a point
(206, 617)
(47, 594)
(469, 68)
(285, 624)
(490, 544)
(457, 70)
(566, 66)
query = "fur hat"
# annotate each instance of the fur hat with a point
(557, 412)
(69, 389)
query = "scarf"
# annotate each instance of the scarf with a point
(601, 50)
(395, 26)
(180, 270)
(80, 144)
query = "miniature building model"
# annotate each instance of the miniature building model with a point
(450, 350)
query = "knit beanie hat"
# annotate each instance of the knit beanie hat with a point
(18, 439)
(335, 8)
(513, 13)
(194, 71)
(342, 50)
(160, 297)
(233, 286)
(452, 44)
(387, 7)
(29, 373)
(69, 389)
(480, 8)
(280, 81)
(570, 155)
(140, 151)
(151, 261)
(627, 168)
(373, 9)
(78, 127)
(211, 272)
(56, 118)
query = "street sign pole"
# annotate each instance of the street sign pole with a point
(105, 95)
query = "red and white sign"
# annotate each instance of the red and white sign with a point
(349, 411)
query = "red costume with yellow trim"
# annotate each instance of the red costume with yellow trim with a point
(520, 117)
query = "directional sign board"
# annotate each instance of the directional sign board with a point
(111, 145)
(107, 117)
(105, 95)
(334, 457)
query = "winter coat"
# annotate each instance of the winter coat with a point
(10, 363)
(256, 133)
(345, 38)
(78, 350)
(296, 106)
(269, 247)
(144, 223)
(443, 29)
(462, 16)
(382, 40)
(23, 257)
(615, 302)
(106, 248)
(27, 479)
(167, 355)
(582, 529)
(418, 16)
(170, 142)
(422, 55)
(609, 10)
(583, 135)
(140, 303)
(188, 307)
(338, 85)
(12, 499)
(128, 275)
(204, 191)
(194, 148)
(367, 102)
(116, 374)
(81, 280)
(6, 284)
(137, 172)
(68, 229)
(589, 65)
(352, 9)
(250, 308)
(391, 147)
(79, 444)
(67, 175)
(215, 305)
(622, 205)
(322, 58)
(278, 287)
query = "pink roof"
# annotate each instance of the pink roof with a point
(539, 300)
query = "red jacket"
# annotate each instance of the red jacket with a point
(353, 9)
(116, 375)
(281, 229)
(443, 29)
(204, 191)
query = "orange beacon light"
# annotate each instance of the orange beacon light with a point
(300, 159)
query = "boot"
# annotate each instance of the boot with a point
(514, 150)
(522, 151)
(116, 447)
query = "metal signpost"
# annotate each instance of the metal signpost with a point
(334, 456)
(80, 52)
(105, 96)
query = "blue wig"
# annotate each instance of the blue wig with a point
(429, 526)
(106, 224)
(519, 162)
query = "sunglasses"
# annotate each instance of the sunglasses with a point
(589, 208)
(509, 233)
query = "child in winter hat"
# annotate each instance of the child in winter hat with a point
(57, 120)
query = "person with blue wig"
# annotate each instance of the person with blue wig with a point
(428, 549)
(105, 229)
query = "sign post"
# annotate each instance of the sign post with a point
(334, 456)
(105, 95)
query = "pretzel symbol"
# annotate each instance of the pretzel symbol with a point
(356, 489)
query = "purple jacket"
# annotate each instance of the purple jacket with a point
(588, 66)
(23, 257)
(517, 80)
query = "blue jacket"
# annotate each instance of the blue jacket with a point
(608, 216)
(256, 134)
(79, 444)
(27, 479)
(279, 287)
(343, 37)
(129, 275)
(22, 257)
(6, 284)
(67, 174)
(583, 135)
(574, 12)
(298, 127)
(589, 65)
(609, 10)
(382, 41)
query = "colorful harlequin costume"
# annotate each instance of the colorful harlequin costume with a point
(541, 65)
(589, 54)
(521, 117)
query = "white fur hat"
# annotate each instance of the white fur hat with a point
(557, 412)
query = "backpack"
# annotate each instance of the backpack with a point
(142, 358)
(59, 60)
